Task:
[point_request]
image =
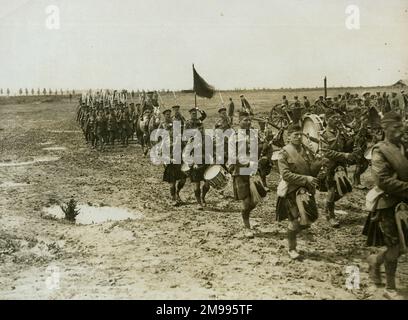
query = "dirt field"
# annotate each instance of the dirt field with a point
(169, 252)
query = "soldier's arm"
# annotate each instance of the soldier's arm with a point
(287, 175)
(336, 155)
(203, 115)
(385, 178)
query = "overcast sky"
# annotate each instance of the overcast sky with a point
(234, 44)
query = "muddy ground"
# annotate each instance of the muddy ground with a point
(168, 252)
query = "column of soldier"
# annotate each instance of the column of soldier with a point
(357, 131)
(106, 118)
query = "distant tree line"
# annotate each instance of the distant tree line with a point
(38, 92)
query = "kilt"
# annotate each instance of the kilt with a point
(287, 208)
(265, 167)
(241, 187)
(382, 231)
(172, 173)
(197, 174)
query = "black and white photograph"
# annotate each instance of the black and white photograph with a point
(218, 150)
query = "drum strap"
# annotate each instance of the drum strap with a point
(397, 160)
(301, 165)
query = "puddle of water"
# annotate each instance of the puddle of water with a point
(10, 184)
(91, 215)
(26, 163)
(55, 148)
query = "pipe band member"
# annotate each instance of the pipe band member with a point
(385, 222)
(241, 183)
(172, 171)
(298, 167)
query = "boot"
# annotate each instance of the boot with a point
(197, 194)
(173, 193)
(374, 269)
(206, 188)
(293, 254)
(390, 291)
(390, 269)
(330, 216)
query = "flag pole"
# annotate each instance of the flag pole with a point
(195, 100)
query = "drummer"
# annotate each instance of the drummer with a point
(172, 171)
(197, 170)
(241, 183)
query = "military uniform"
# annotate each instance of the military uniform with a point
(223, 123)
(380, 226)
(295, 165)
(338, 159)
(395, 105)
(111, 126)
(390, 173)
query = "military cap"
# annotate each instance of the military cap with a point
(176, 107)
(193, 109)
(320, 97)
(243, 114)
(390, 118)
(365, 93)
(295, 97)
(328, 98)
(166, 111)
(294, 128)
(394, 93)
(241, 95)
(222, 109)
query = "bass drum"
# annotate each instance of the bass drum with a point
(312, 126)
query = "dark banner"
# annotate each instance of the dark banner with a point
(201, 87)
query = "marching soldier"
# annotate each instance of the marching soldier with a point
(306, 103)
(172, 171)
(298, 168)
(223, 122)
(405, 104)
(178, 116)
(296, 111)
(395, 105)
(91, 128)
(124, 125)
(100, 123)
(337, 183)
(387, 203)
(245, 106)
(111, 126)
(285, 101)
(197, 170)
(265, 155)
(231, 110)
(241, 182)
(196, 122)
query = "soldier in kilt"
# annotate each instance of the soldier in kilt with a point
(241, 182)
(298, 168)
(172, 171)
(385, 222)
(197, 170)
